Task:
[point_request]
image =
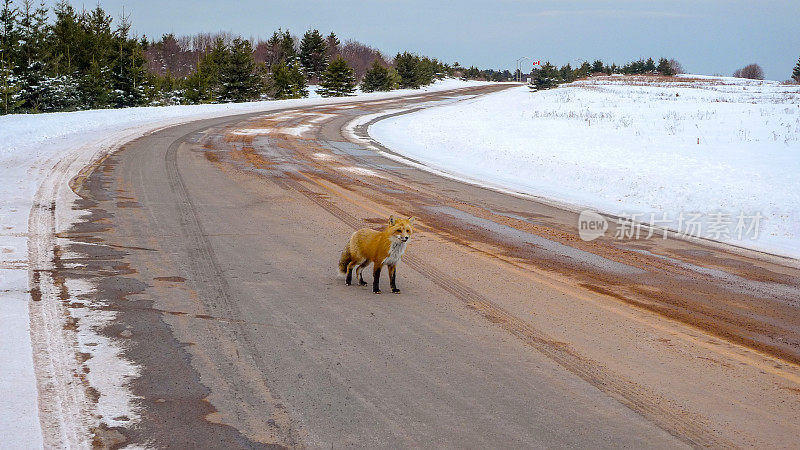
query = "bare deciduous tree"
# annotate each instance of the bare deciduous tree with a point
(751, 71)
(676, 66)
(179, 56)
(360, 56)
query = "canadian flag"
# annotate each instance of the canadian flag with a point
(537, 63)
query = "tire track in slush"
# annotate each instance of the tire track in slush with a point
(686, 426)
(216, 293)
(65, 410)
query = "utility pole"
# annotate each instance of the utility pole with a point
(518, 73)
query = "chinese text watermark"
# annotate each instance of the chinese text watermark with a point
(716, 225)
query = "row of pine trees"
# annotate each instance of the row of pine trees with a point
(61, 59)
(549, 76)
(76, 61)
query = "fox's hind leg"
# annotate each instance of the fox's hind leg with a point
(350, 266)
(360, 272)
(356, 266)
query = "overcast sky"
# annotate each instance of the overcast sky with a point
(706, 36)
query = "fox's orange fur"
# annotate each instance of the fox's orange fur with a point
(379, 248)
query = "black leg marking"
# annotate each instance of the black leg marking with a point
(376, 279)
(361, 278)
(349, 277)
(392, 278)
(360, 271)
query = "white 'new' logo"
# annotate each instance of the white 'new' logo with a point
(591, 225)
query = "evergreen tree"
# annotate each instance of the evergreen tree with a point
(274, 53)
(282, 82)
(94, 61)
(493, 75)
(239, 78)
(32, 32)
(583, 71)
(428, 70)
(63, 94)
(332, 46)
(471, 74)
(376, 78)
(288, 81)
(280, 48)
(338, 79)
(287, 46)
(394, 78)
(167, 90)
(796, 71)
(566, 73)
(195, 87)
(313, 53)
(204, 86)
(649, 65)
(10, 88)
(407, 66)
(547, 77)
(597, 66)
(67, 37)
(664, 67)
(34, 83)
(128, 72)
(34, 93)
(636, 67)
(9, 37)
(9, 31)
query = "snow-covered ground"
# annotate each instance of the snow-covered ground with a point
(45, 151)
(714, 151)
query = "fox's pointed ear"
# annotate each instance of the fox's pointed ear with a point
(411, 220)
(391, 220)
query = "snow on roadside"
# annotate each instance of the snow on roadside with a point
(693, 145)
(54, 147)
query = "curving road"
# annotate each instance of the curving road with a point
(216, 243)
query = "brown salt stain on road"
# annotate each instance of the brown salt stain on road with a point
(173, 279)
(671, 290)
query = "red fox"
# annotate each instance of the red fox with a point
(378, 247)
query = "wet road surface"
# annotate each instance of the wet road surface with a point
(216, 243)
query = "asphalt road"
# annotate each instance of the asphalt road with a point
(218, 243)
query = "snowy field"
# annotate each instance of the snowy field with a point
(45, 151)
(712, 157)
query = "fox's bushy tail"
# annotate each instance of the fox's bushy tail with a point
(345, 259)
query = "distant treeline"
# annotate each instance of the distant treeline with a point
(549, 76)
(63, 60)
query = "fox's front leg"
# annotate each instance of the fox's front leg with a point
(376, 279)
(392, 274)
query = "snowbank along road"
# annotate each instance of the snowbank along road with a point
(667, 147)
(215, 245)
